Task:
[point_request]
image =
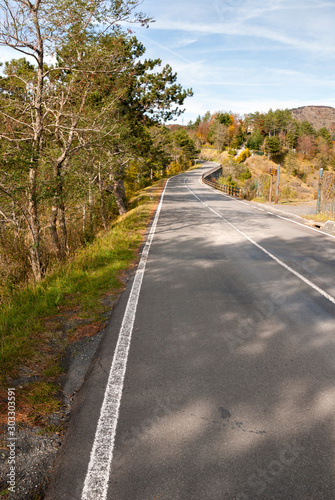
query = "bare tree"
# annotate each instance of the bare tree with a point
(43, 102)
(306, 145)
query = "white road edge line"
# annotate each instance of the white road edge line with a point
(97, 476)
(304, 225)
(298, 275)
(319, 231)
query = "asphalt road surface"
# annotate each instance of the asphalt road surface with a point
(225, 363)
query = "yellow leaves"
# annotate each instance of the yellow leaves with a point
(243, 155)
(231, 131)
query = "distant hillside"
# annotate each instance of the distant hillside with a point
(318, 116)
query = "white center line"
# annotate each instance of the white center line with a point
(298, 275)
(319, 231)
(97, 476)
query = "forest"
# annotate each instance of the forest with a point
(275, 133)
(249, 146)
(82, 115)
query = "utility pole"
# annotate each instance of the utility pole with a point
(277, 185)
(273, 172)
(318, 206)
(271, 187)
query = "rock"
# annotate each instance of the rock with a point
(329, 227)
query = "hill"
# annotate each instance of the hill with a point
(294, 187)
(318, 116)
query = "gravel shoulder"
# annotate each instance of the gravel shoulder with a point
(36, 447)
(299, 208)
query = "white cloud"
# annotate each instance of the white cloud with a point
(201, 104)
(183, 41)
(240, 29)
(302, 25)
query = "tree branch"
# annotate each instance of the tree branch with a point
(20, 208)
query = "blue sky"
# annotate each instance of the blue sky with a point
(245, 55)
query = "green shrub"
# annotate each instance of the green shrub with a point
(227, 181)
(244, 176)
(232, 152)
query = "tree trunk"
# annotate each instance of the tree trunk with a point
(53, 229)
(63, 228)
(60, 242)
(34, 247)
(84, 216)
(102, 198)
(119, 193)
(90, 203)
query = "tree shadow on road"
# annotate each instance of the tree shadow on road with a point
(230, 391)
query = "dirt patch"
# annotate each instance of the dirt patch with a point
(34, 456)
(62, 364)
(74, 340)
(86, 331)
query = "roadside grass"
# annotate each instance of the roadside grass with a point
(33, 339)
(195, 167)
(321, 217)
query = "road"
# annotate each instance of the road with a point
(226, 360)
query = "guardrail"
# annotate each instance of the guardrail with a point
(230, 190)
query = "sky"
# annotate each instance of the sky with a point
(245, 55)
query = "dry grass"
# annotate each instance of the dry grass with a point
(291, 187)
(213, 155)
(41, 321)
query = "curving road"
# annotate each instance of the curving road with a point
(226, 358)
